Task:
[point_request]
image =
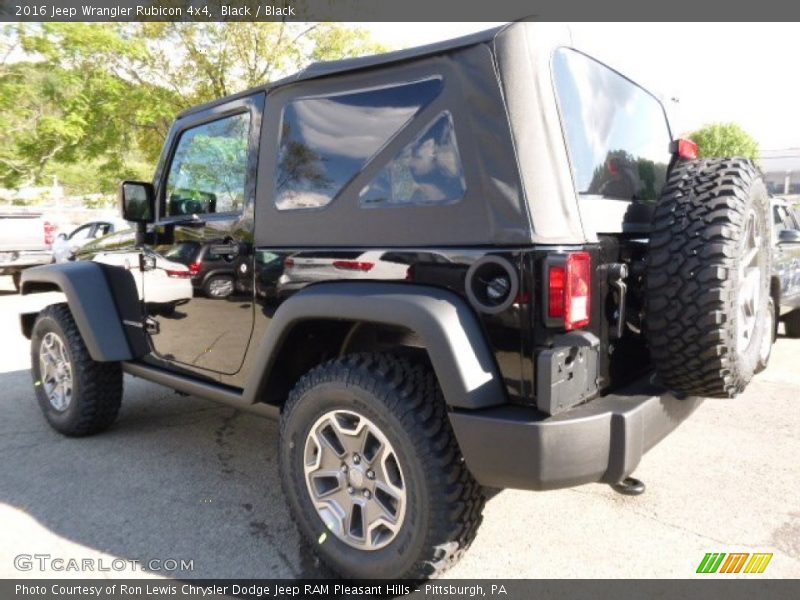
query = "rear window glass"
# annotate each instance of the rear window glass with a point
(426, 172)
(182, 252)
(326, 140)
(617, 133)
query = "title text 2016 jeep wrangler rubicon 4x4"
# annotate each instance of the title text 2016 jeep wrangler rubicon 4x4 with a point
(547, 284)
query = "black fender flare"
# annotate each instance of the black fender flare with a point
(449, 329)
(104, 303)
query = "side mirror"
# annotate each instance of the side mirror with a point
(137, 201)
(789, 236)
(62, 236)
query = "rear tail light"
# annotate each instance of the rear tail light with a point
(288, 263)
(178, 274)
(49, 233)
(570, 290)
(194, 268)
(353, 265)
(684, 148)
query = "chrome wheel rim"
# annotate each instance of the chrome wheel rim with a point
(354, 479)
(766, 340)
(55, 371)
(749, 283)
(220, 287)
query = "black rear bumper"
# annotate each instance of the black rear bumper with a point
(603, 440)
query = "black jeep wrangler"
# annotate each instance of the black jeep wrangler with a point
(490, 266)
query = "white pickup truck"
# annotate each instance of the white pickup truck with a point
(25, 240)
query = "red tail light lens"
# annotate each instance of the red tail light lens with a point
(178, 274)
(570, 290)
(557, 292)
(288, 263)
(194, 268)
(353, 265)
(49, 233)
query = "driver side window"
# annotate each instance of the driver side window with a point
(209, 169)
(81, 234)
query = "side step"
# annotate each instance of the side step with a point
(203, 389)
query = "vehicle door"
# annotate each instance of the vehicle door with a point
(205, 193)
(787, 256)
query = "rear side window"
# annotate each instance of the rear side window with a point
(617, 134)
(426, 172)
(327, 140)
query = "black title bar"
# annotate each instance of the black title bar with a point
(397, 10)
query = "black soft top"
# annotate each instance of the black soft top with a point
(336, 67)
(498, 86)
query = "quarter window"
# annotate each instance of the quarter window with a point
(426, 172)
(209, 169)
(327, 140)
(617, 133)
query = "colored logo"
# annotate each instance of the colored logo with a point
(741, 562)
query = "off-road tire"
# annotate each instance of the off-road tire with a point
(692, 291)
(791, 323)
(96, 386)
(444, 502)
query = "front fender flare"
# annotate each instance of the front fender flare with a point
(449, 329)
(103, 301)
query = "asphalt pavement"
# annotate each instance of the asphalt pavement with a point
(182, 479)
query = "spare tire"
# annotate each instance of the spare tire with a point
(708, 267)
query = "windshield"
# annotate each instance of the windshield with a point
(617, 134)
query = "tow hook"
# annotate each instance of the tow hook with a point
(630, 486)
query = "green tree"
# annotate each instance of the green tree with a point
(725, 139)
(104, 94)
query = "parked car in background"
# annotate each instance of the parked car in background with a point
(302, 268)
(25, 240)
(213, 274)
(786, 265)
(168, 283)
(66, 245)
(267, 268)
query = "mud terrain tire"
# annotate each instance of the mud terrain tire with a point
(401, 399)
(707, 273)
(94, 388)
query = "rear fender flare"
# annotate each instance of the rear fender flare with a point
(449, 329)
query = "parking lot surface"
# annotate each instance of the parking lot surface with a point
(182, 478)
